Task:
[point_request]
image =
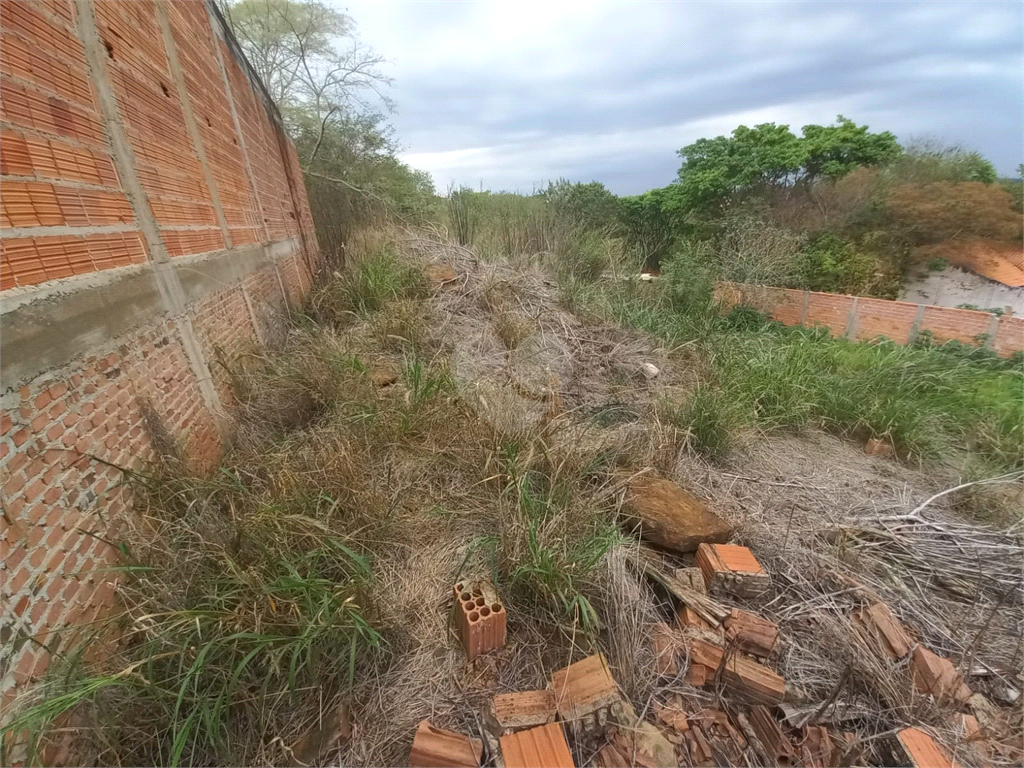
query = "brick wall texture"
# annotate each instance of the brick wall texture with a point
(862, 319)
(216, 174)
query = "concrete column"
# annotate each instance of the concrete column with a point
(171, 294)
(803, 311)
(851, 320)
(993, 329)
(915, 327)
(190, 118)
(217, 35)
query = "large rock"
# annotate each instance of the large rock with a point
(670, 517)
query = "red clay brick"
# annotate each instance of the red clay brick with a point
(34, 490)
(14, 484)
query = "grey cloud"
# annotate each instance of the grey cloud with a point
(609, 91)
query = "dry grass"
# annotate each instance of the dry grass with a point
(495, 453)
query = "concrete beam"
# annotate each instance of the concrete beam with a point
(48, 326)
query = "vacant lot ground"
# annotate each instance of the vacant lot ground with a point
(431, 417)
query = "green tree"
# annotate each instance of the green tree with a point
(315, 68)
(591, 206)
(833, 151)
(714, 168)
(771, 156)
(925, 161)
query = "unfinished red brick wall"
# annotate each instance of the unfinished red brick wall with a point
(861, 318)
(154, 223)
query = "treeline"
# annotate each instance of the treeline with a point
(837, 208)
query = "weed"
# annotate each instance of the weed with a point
(550, 542)
(707, 421)
(377, 278)
(462, 217)
(225, 613)
(924, 398)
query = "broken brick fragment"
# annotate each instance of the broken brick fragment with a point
(480, 619)
(775, 745)
(541, 747)
(666, 646)
(584, 688)
(721, 735)
(438, 275)
(672, 714)
(642, 745)
(524, 709)
(437, 748)
(693, 578)
(937, 676)
(750, 633)
(383, 375)
(914, 747)
(699, 750)
(885, 630)
(874, 447)
(744, 677)
(817, 749)
(732, 569)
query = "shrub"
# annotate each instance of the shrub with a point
(939, 211)
(829, 263)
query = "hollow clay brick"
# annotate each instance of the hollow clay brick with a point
(887, 634)
(740, 674)
(732, 569)
(541, 747)
(436, 748)
(524, 709)
(914, 747)
(751, 633)
(480, 619)
(584, 688)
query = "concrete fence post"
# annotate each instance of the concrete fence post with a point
(851, 321)
(915, 326)
(993, 331)
(803, 311)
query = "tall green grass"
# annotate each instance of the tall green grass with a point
(550, 540)
(237, 600)
(931, 403)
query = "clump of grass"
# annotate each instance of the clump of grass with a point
(461, 215)
(376, 278)
(553, 534)
(238, 601)
(707, 421)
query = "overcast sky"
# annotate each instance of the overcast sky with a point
(512, 94)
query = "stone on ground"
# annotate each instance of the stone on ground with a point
(670, 517)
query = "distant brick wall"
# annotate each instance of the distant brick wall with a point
(152, 223)
(862, 318)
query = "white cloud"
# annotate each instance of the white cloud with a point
(517, 94)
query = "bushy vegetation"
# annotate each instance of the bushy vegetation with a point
(930, 402)
(858, 201)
